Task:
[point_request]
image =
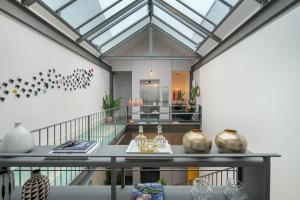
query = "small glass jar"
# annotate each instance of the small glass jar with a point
(159, 140)
(140, 139)
(201, 189)
(235, 190)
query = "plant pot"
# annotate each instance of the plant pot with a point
(179, 102)
(7, 184)
(192, 102)
(37, 187)
(196, 141)
(230, 141)
(109, 119)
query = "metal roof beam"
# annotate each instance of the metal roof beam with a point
(185, 20)
(64, 6)
(46, 7)
(171, 27)
(109, 20)
(173, 39)
(97, 15)
(25, 16)
(28, 2)
(195, 12)
(261, 18)
(125, 30)
(226, 4)
(125, 40)
(118, 20)
(151, 57)
(262, 2)
(150, 9)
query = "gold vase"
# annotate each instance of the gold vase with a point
(230, 141)
(196, 141)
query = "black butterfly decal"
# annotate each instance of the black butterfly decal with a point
(34, 78)
(2, 99)
(6, 92)
(4, 84)
(48, 75)
(32, 85)
(19, 80)
(52, 86)
(27, 95)
(26, 83)
(18, 95)
(39, 83)
(11, 81)
(39, 89)
(23, 90)
(35, 93)
(30, 90)
(17, 86)
(40, 73)
(42, 79)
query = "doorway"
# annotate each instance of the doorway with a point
(123, 86)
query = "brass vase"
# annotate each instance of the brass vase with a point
(196, 141)
(230, 141)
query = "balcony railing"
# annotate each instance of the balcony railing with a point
(164, 114)
(103, 127)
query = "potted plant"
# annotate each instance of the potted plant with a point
(180, 99)
(108, 104)
(194, 92)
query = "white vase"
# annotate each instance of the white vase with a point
(17, 140)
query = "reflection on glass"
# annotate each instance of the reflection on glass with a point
(201, 189)
(235, 190)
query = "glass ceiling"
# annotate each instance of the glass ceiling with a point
(107, 23)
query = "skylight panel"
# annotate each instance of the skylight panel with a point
(124, 35)
(176, 35)
(80, 11)
(121, 26)
(173, 22)
(105, 4)
(193, 14)
(116, 8)
(54, 5)
(218, 12)
(201, 6)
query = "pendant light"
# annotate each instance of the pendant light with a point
(151, 72)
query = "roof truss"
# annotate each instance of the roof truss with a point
(134, 6)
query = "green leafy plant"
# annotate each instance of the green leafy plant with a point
(194, 92)
(108, 103)
(163, 181)
(181, 94)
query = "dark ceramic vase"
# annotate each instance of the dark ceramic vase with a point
(7, 184)
(37, 187)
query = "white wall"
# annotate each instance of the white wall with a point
(254, 87)
(24, 53)
(161, 68)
